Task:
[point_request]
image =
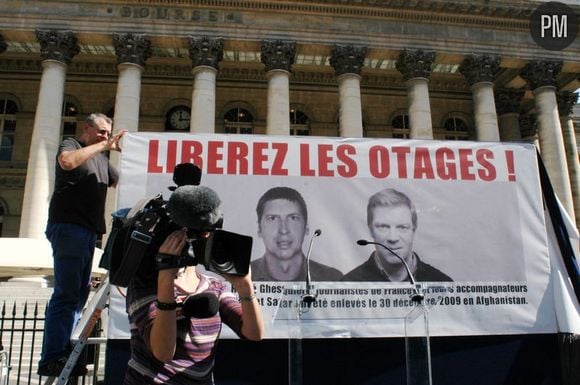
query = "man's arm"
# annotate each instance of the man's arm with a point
(69, 160)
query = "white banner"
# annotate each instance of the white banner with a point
(479, 222)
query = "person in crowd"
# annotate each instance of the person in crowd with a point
(75, 219)
(282, 225)
(392, 222)
(173, 335)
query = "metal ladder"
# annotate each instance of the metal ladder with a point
(86, 325)
(4, 366)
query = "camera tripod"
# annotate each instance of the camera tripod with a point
(86, 325)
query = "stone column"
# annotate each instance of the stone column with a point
(415, 66)
(278, 57)
(541, 75)
(205, 56)
(479, 70)
(347, 62)
(132, 51)
(508, 109)
(57, 48)
(566, 101)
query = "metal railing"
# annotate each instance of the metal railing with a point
(21, 333)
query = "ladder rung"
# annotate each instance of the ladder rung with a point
(93, 340)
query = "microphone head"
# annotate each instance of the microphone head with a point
(202, 305)
(317, 232)
(362, 242)
(309, 299)
(187, 174)
(194, 207)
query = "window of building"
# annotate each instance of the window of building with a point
(8, 110)
(400, 125)
(69, 120)
(238, 121)
(456, 129)
(299, 123)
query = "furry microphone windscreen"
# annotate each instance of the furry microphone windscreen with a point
(194, 207)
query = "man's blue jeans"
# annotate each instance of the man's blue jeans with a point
(72, 248)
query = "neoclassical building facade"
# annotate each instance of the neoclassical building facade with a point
(443, 70)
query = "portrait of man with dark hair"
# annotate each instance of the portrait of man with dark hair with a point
(282, 226)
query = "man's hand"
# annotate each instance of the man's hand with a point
(113, 141)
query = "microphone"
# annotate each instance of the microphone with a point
(417, 297)
(202, 305)
(186, 174)
(194, 207)
(309, 298)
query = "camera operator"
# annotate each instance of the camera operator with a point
(173, 335)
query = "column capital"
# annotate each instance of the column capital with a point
(541, 73)
(278, 54)
(347, 59)
(206, 51)
(508, 100)
(57, 45)
(566, 101)
(132, 48)
(3, 45)
(479, 68)
(415, 64)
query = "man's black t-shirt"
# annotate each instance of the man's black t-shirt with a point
(370, 271)
(79, 195)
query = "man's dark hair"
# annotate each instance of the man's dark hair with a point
(96, 115)
(282, 193)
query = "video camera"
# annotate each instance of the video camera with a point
(137, 233)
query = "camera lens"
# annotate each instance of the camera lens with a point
(221, 258)
(225, 267)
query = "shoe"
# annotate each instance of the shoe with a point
(55, 367)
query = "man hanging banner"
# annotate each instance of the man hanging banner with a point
(466, 217)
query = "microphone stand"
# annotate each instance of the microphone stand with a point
(308, 298)
(419, 296)
(295, 342)
(417, 349)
